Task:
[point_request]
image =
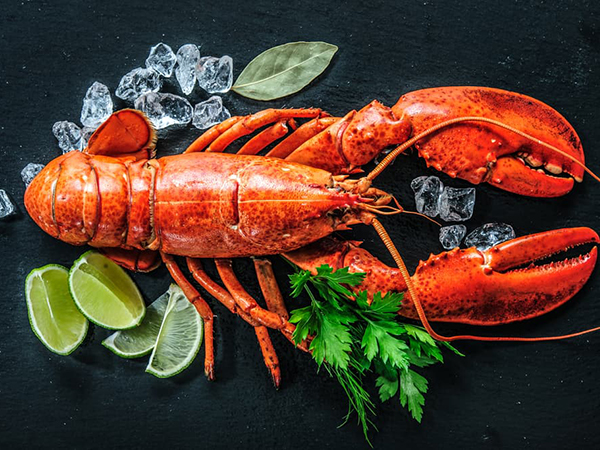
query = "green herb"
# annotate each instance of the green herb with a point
(351, 338)
(284, 70)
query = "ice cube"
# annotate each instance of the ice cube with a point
(456, 204)
(161, 59)
(68, 135)
(164, 110)
(451, 236)
(138, 82)
(86, 134)
(427, 194)
(7, 207)
(209, 113)
(30, 171)
(188, 56)
(97, 105)
(488, 235)
(215, 74)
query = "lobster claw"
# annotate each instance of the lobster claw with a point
(469, 286)
(494, 287)
(481, 152)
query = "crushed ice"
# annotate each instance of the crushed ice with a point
(165, 110)
(488, 235)
(97, 105)
(427, 194)
(188, 56)
(209, 113)
(456, 204)
(7, 207)
(215, 75)
(451, 236)
(68, 135)
(30, 171)
(138, 82)
(161, 59)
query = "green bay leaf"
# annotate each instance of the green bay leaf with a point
(284, 70)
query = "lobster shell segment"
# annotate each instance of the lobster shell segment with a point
(481, 152)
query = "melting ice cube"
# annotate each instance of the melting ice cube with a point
(427, 194)
(488, 235)
(215, 74)
(97, 105)
(7, 207)
(456, 204)
(138, 82)
(209, 113)
(450, 237)
(68, 135)
(164, 110)
(161, 59)
(188, 56)
(30, 171)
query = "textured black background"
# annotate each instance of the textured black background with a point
(500, 395)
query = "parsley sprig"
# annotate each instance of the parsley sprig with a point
(351, 338)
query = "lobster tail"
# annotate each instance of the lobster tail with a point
(81, 200)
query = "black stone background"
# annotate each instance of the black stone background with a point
(501, 395)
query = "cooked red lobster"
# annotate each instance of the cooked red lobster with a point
(207, 204)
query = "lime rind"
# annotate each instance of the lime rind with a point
(58, 306)
(110, 301)
(139, 341)
(179, 338)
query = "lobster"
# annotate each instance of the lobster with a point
(205, 203)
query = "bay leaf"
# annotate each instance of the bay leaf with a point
(284, 70)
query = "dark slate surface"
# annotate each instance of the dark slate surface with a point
(500, 395)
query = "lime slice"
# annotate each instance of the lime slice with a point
(104, 293)
(53, 316)
(179, 338)
(139, 341)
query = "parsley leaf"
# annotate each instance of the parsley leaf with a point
(352, 336)
(412, 388)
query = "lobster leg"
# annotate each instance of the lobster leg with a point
(217, 291)
(251, 307)
(206, 138)
(264, 138)
(269, 287)
(300, 136)
(232, 129)
(203, 309)
(226, 299)
(269, 355)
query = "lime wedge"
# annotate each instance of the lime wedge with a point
(140, 341)
(104, 293)
(179, 338)
(53, 316)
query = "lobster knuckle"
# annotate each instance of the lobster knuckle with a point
(371, 130)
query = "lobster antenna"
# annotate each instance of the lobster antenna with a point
(421, 313)
(392, 155)
(415, 213)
